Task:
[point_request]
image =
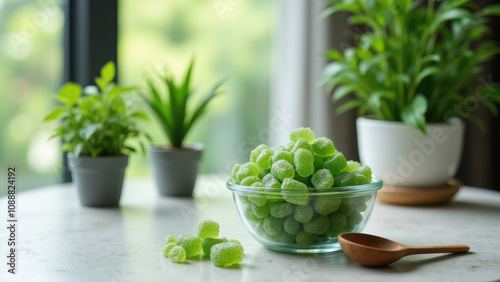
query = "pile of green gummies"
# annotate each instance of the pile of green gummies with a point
(222, 252)
(287, 214)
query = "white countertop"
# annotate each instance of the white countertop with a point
(59, 240)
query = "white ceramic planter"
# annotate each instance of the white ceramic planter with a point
(404, 156)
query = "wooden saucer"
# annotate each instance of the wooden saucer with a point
(414, 196)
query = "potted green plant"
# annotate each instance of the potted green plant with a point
(412, 73)
(175, 166)
(95, 129)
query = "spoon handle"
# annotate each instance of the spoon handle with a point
(437, 249)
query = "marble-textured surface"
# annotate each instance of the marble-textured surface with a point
(59, 240)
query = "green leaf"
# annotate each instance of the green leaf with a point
(366, 65)
(349, 105)
(108, 71)
(87, 131)
(202, 106)
(56, 113)
(375, 99)
(431, 58)
(425, 73)
(117, 90)
(331, 71)
(414, 113)
(69, 94)
(343, 91)
(101, 83)
(492, 10)
(140, 115)
(334, 55)
(77, 150)
(453, 14)
(66, 147)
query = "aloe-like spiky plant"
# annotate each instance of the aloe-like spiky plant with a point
(416, 62)
(171, 102)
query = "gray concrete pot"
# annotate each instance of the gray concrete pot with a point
(175, 170)
(99, 180)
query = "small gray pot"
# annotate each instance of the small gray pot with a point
(99, 180)
(175, 170)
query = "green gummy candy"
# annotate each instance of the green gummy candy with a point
(271, 182)
(303, 238)
(289, 146)
(318, 163)
(337, 221)
(361, 179)
(322, 178)
(226, 254)
(170, 239)
(345, 179)
(296, 192)
(190, 243)
(258, 200)
(246, 170)
(352, 166)
(302, 144)
(336, 163)
(366, 171)
(268, 178)
(208, 229)
(317, 226)
(326, 206)
(304, 180)
(177, 254)
(361, 207)
(303, 214)
(208, 243)
(256, 152)
(273, 225)
(291, 226)
(259, 229)
(258, 184)
(166, 248)
(355, 218)
(261, 211)
(280, 210)
(248, 181)
(282, 155)
(286, 238)
(264, 159)
(264, 172)
(282, 169)
(244, 200)
(236, 168)
(248, 212)
(304, 162)
(345, 208)
(304, 133)
(323, 147)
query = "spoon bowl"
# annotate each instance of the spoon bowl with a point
(371, 250)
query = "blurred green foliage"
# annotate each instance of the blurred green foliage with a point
(230, 39)
(31, 70)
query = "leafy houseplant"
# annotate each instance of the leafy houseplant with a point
(175, 168)
(94, 129)
(415, 65)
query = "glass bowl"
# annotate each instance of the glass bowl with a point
(304, 220)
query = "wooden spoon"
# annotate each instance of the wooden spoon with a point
(372, 250)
